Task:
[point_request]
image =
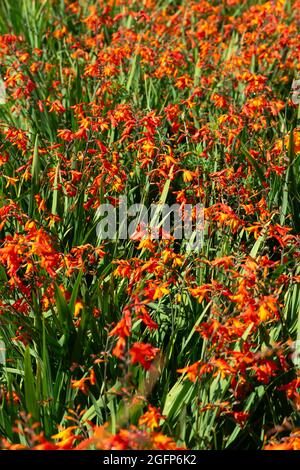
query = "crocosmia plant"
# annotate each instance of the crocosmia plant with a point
(149, 224)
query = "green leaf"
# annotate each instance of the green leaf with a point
(29, 384)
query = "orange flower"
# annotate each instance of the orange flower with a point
(291, 442)
(66, 437)
(151, 418)
(267, 308)
(78, 307)
(81, 383)
(200, 292)
(143, 353)
(192, 371)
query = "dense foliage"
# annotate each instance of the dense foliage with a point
(140, 343)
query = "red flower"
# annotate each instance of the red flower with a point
(143, 353)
